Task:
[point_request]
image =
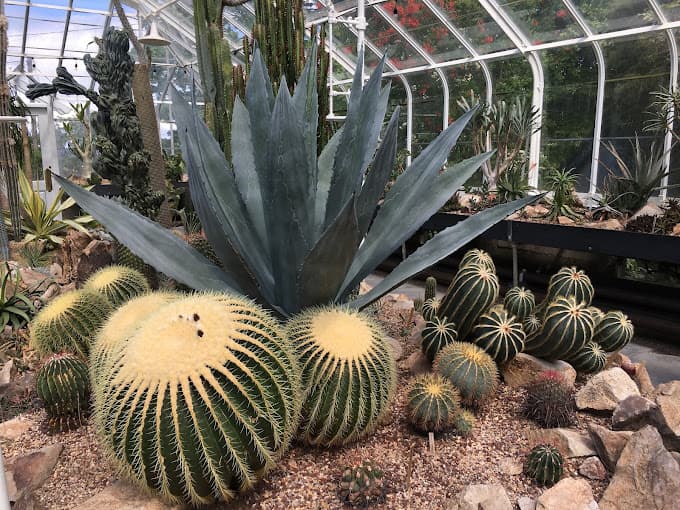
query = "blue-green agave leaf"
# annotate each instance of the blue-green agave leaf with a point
(260, 101)
(440, 246)
(306, 103)
(154, 244)
(324, 176)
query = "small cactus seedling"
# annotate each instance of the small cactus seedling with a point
(464, 423)
(118, 284)
(469, 369)
(437, 334)
(544, 464)
(362, 485)
(433, 403)
(550, 400)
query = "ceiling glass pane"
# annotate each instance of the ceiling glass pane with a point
(345, 43)
(400, 53)
(609, 16)
(98, 5)
(671, 9)
(542, 20)
(426, 88)
(463, 80)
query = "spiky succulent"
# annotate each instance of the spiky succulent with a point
(614, 331)
(430, 307)
(348, 374)
(550, 400)
(570, 281)
(471, 370)
(200, 400)
(124, 257)
(433, 403)
(499, 334)
(361, 485)
(69, 323)
(293, 230)
(520, 302)
(464, 423)
(590, 359)
(62, 384)
(437, 334)
(544, 464)
(430, 288)
(117, 284)
(418, 305)
(477, 256)
(597, 314)
(531, 326)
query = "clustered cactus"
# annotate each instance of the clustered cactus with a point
(614, 331)
(550, 400)
(592, 358)
(433, 403)
(544, 464)
(499, 334)
(471, 370)
(361, 485)
(520, 302)
(437, 334)
(117, 284)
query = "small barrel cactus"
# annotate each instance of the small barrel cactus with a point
(614, 331)
(570, 281)
(433, 403)
(464, 423)
(592, 358)
(520, 302)
(62, 384)
(203, 246)
(69, 323)
(567, 328)
(471, 293)
(362, 485)
(531, 326)
(430, 307)
(437, 333)
(597, 314)
(348, 374)
(430, 288)
(124, 257)
(469, 369)
(201, 400)
(118, 284)
(550, 400)
(544, 464)
(499, 334)
(477, 256)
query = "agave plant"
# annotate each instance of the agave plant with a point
(293, 230)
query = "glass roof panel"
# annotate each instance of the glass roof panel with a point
(671, 9)
(386, 38)
(542, 20)
(608, 16)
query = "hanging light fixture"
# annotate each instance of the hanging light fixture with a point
(153, 38)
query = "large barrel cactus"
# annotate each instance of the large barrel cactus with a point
(117, 284)
(567, 328)
(499, 334)
(477, 256)
(62, 384)
(471, 293)
(437, 333)
(592, 358)
(201, 400)
(614, 331)
(433, 403)
(348, 374)
(69, 323)
(570, 281)
(520, 302)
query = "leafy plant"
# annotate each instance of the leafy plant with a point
(292, 230)
(562, 183)
(81, 146)
(34, 254)
(16, 308)
(513, 184)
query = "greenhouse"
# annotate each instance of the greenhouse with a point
(404, 254)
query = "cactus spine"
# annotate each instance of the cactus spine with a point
(348, 374)
(464, 423)
(531, 326)
(544, 464)
(62, 384)
(592, 358)
(437, 333)
(430, 308)
(614, 331)
(69, 323)
(361, 485)
(469, 369)
(520, 302)
(433, 403)
(499, 334)
(471, 293)
(430, 288)
(201, 400)
(477, 256)
(117, 284)
(570, 281)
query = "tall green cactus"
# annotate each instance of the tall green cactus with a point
(201, 400)
(430, 288)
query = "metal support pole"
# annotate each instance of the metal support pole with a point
(515, 266)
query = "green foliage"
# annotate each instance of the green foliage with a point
(520, 302)
(16, 308)
(62, 384)
(220, 393)
(513, 184)
(562, 184)
(362, 485)
(544, 464)
(499, 334)
(592, 358)
(471, 370)
(34, 255)
(477, 256)
(614, 331)
(69, 323)
(465, 423)
(550, 400)
(117, 284)
(433, 403)
(437, 334)
(348, 374)
(174, 167)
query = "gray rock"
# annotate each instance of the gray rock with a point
(647, 476)
(12, 429)
(122, 496)
(605, 390)
(510, 466)
(526, 503)
(608, 444)
(570, 442)
(28, 472)
(567, 494)
(643, 380)
(482, 497)
(524, 368)
(593, 469)
(397, 349)
(417, 363)
(633, 413)
(667, 415)
(6, 375)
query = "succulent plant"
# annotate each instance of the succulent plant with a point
(361, 485)
(203, 246)
(592, 358)
(437, 334)
(418, 305)
(544, 464)
(550, 400)
(433, 403)
(471, 293)
(200, 400)
(348, 374)
(570, 281)
(118, 284)
(69, 323)
(499, 334)
(520, 302)
(597, 314)
(124, 257)
(531, 326)
(477, 256)
(567, 327)
(293, 230)
(430, 307)
(471, 370)
(614, 331)
(430, 288)
(62, 384)
(464, 423)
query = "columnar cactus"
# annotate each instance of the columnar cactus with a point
(200, 400)
(531, 326)
(437, 333)
(477, 256)
(430, 307)
(520, 302)
(117, 284)
(433, 403)
(62, 384)
(567, 327)
(430, 288)
(570, 281)
(544, 464)
(592, 358)
(470, 370)
(614, 331)
(471, 293)
(69, 323)
(499, 334)
(348, 374)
